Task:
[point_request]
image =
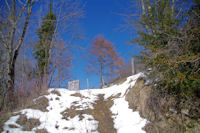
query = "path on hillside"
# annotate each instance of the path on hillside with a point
(85, 111)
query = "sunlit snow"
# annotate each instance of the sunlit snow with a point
(125, 120)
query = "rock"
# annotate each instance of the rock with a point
(161, 112)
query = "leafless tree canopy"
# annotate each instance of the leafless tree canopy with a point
(19, 20)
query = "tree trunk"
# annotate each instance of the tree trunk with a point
(101, 78)
(101, 75)
(59, 78)
(10, 93)
(46, 67)
(13, 54)
(8, 97)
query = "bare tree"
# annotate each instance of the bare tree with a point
(104, 58)
(14, 22)
(12, 37)
(61, 63)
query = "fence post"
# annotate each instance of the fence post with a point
(87, 84)
(133, 65)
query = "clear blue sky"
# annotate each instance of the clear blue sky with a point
(101, 17)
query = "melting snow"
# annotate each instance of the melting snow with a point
(125, 120)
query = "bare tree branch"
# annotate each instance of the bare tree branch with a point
(7, 5)
(21, 12)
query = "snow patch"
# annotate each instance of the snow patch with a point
(125, 120)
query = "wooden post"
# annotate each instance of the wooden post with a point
(133, 65)
(87, 84)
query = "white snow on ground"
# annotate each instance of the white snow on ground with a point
(125, 120)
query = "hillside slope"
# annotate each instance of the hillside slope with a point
(86, 111)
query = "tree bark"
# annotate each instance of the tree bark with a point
(101, 75)
(13, 54)
(10, 81)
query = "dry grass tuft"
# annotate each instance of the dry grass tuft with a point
(57, 98)
(56, 92)
(4, 116)
(89, 119)
(13, 126)
(72, 112)
(79, 95)
(66, 128)
(72, 128)
(28, 124)
(75, 102)
(24, 100)
(115, 96)
(41, 131)
(40, 104)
